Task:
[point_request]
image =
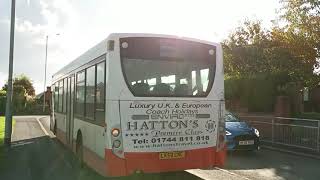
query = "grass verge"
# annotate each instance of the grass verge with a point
(2, 128)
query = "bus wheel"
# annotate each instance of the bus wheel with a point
(50, 124)
(55, 128)
(79, 148)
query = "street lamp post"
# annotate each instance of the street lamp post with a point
(45, 73)
(8, 128)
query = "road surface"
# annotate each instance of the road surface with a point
(35, 155)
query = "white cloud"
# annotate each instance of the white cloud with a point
(25, 26)
(3, 79)
(38, 86)
(5, 21)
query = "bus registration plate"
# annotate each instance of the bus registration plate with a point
(172, 155)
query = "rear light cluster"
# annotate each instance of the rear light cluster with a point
(115, 132)
(117, 145)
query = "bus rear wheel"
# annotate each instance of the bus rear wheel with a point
(79, 149)
(55, 128)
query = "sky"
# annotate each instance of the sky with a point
(82, 23)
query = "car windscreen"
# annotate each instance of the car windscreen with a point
(231, 118)
(167, 67)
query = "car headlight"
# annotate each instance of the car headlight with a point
(256, 132)
(228, 133)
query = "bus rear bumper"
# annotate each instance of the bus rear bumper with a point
(150, 162)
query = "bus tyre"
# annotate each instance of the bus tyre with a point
(55, 128)
(79, 149)
(50, 124)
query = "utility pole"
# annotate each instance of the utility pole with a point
(8, 128)
(45, 75)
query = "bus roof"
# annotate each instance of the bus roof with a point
(101, 49)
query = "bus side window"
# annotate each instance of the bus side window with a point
(80, 94)
(60, 96)
(65, 86)
(100, 93)
(90, 92)
(56, 96)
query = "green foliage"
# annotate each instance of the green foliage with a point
(244, 50)
(251, 51)
(259, 93)
(302, 29)
(261, 64)
(292, 49)
(255, 93)
(303, 17)
(3, 93)
(2, 128)
(2, 102)
(25, 82)
(33, 107)
(23, 102)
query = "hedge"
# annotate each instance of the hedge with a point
(257, 93)
(2, 105)
(2, 102)
(30, 107)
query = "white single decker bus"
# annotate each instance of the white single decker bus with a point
(143, 103)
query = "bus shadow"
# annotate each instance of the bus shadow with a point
(45, 158)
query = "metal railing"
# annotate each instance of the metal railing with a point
(291, 132)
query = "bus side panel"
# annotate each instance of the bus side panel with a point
(61, 127)
(92, 155)
(87, 131)
(100, 140)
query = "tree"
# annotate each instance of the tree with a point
(302, 19)
(252, 51)
(25, 82)
(244, 50)
(266, 63)
(301, 55)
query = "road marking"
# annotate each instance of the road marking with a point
(216, 173)
(41, 126)
(231, 173)
(21, 143)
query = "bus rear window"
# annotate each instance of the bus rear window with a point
(167, 67)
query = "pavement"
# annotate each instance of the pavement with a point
(264, 165)
(36, 154)
(27, 127)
